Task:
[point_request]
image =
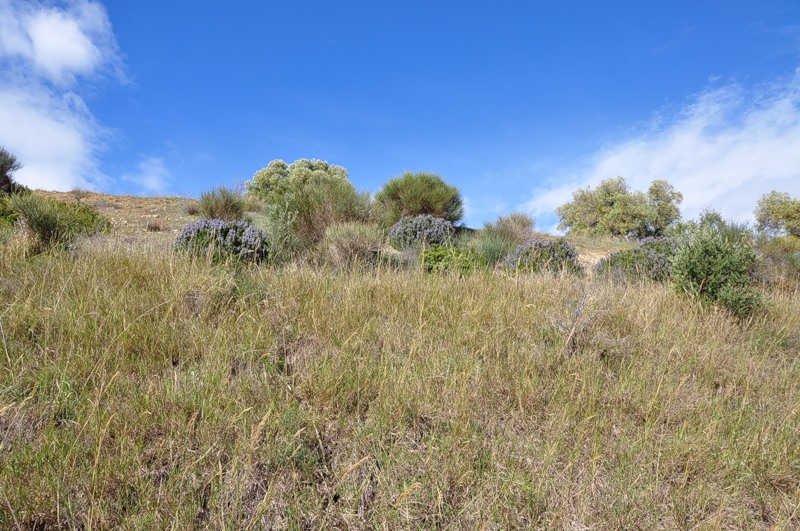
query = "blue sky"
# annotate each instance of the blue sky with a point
(516, 103)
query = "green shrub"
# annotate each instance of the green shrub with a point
(414, 231)
(351, 243)
(778, 213)
(716, 267)
(415, 194)
(651, 259)
(780, 260)
(545, 255)
(221, 203)
(8, 166)
(741, 301)
(221, 240)
(54, 223)
(446, 259)
(516, 227)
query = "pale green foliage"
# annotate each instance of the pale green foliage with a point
(416, 194)
(612, 209)
(352, 243)
(777, 213)
(278, 178)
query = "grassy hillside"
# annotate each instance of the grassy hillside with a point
(143, 389)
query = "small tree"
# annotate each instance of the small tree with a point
(778, 213)
(612, 209)
(279, 179)
(8, 166)
(416, 194)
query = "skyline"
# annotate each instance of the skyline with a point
(517, 105)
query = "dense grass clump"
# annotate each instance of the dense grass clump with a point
(417, 194)
(222, 203)
(651, 259)
(53, 223)
(352, 243)
(545, 255)
(448, 259)
(223, 240)
(413, 231)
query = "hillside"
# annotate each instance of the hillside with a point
(143, 389)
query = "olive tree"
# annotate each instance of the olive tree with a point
(777, 212)
(613, 209)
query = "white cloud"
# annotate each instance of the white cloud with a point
(152, 176)
(725, 149)
(48, 52)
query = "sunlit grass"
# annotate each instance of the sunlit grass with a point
(142, 389)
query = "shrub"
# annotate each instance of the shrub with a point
(515, 227)
(613, 210)
(8, 166)
(415, 194)
(445, 259)
(412, 231)
(545, 255)
(741, 301)
(221, 240)
(222, 203)
(715, 267)
(193, 209)
(54, 223)
(780, 260)
(153, 225)
(279, 179)
(650, 259)
(349, 243)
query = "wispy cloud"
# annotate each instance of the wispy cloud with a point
(48, 51)
(724, 149)
(152, 176)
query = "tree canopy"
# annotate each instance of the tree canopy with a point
(777, 212)
(613, 209)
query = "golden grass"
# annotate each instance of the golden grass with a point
(144, 390)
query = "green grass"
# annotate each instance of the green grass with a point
(142, 389)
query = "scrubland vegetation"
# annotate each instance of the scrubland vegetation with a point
(314, 366)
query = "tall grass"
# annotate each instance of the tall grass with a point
(211, 396)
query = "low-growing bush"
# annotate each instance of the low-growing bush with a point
(352, 243)
(221, 203)
(545, 255)
(222, 240)
(717, 267)
(412, 231)
(651, 259)
(415, 194)
(491, 248)
(446, 259)
(54, 223)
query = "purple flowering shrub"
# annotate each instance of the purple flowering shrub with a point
(651, 259)
(411, 231)
(545, 255)
(224, 239)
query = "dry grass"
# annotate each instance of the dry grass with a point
(144, 390)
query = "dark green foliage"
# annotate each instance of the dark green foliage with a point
(778, 213)
(414, 194)
(613, 210)
(717, 267)
(741, 301)
(651, 259)
(222, 240)
(221, 203)
(545, 255)
(447, 259)
(8, 166)
(54, 223)
(413, 231)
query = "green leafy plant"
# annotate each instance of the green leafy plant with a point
(415, 194)
(778, 213)
(446, 259)
(716, 268)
